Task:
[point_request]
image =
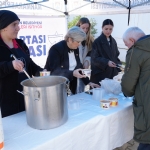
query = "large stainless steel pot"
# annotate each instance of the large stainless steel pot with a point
(46, 105)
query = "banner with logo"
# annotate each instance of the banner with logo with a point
(40, 33)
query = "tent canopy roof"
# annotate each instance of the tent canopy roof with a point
(76, 7)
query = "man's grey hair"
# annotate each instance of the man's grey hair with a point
(76, 33)
(133, 32)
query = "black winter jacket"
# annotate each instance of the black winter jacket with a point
(12, 102)
(58, 63)
(101, 53)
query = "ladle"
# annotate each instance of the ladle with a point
(25, 71)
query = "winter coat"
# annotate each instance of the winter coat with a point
(101, 54)
(83, 54)
(58, 63)
(11, 101)
(136, 82)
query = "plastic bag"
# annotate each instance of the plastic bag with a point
(111, 86)
(118, 77)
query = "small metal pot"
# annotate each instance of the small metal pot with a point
(46, 104)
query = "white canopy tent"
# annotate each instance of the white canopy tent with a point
(82, 7)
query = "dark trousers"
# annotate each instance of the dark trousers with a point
(144, 146)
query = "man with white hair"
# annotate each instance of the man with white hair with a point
(136, 82)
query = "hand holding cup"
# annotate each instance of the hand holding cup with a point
(86, 72)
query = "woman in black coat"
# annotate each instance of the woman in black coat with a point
(11, 74)
(104, 54)
(63, 58)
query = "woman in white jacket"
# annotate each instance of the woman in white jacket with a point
(85, 49)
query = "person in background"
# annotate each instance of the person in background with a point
(11, 73)
(63, 58)
(85, 49)
(136, 82)
(104, 54)
(86, 46)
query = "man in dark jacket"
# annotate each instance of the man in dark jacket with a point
(136, 82)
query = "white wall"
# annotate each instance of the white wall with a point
(121, 24)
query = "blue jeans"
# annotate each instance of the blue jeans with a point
(144, 146)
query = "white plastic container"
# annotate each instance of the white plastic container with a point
(105, 104)
(98, 93)
(1, 134)
(74, 104)
(44, 73)
(86, 72)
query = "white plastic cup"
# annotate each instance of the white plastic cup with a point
(73, 104)
(44, 73)
(86, 72)
(105, 104)
(102, 93)
(98, 93)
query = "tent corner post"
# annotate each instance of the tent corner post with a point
(66, 13)
(65, 2)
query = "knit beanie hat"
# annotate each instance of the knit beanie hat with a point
(6, 18)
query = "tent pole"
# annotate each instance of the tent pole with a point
(129, 12)
(66, 14)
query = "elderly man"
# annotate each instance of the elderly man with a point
(136, 82)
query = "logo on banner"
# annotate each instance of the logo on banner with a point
(55, 38)
(36, 44)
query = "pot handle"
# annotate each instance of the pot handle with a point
(67, 87)
(36, 95)
(23, 93)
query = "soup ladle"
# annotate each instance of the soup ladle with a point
(25, 71)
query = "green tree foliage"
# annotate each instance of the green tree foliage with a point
(93, 24)
(73, 22)
(77, 18)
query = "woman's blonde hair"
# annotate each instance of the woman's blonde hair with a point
(89, 38)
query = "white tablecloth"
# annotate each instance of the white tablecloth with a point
(88, 128)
